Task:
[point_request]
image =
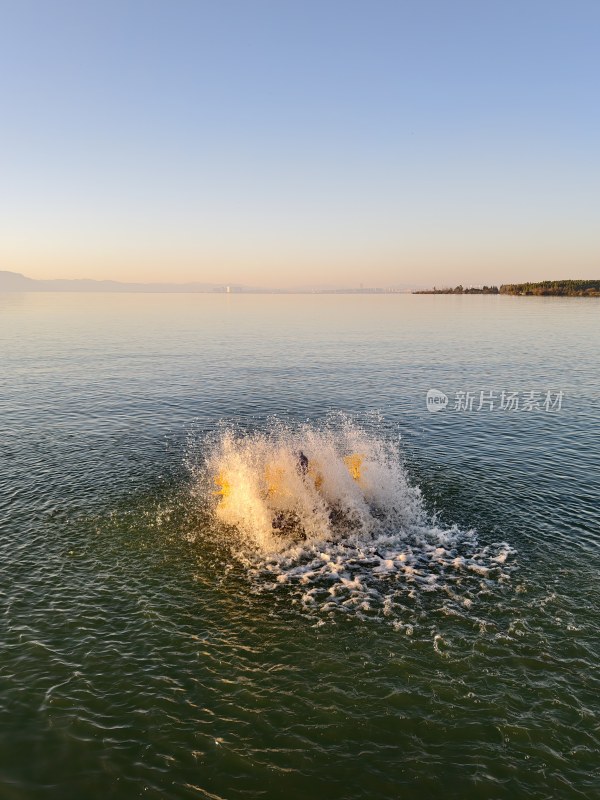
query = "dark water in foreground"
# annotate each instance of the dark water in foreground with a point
(139, 657)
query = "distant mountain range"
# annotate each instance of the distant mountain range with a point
(15, 282)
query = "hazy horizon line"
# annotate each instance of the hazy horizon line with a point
(17, 281)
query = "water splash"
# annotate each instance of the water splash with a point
(328, 512)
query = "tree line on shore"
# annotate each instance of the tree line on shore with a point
(568, 288)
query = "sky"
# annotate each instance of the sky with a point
(289, 144)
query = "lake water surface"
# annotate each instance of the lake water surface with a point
(451, 650)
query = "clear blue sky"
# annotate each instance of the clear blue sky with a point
(294, 143)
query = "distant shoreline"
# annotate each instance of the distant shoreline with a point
(16, 282)
(567, 288)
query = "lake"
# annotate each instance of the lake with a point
(445, 646)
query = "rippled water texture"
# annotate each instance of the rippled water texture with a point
(191, 610)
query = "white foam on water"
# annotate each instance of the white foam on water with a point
(345, 532)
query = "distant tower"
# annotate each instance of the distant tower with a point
(228, 290)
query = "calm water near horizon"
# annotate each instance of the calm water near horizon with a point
(142, 656)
